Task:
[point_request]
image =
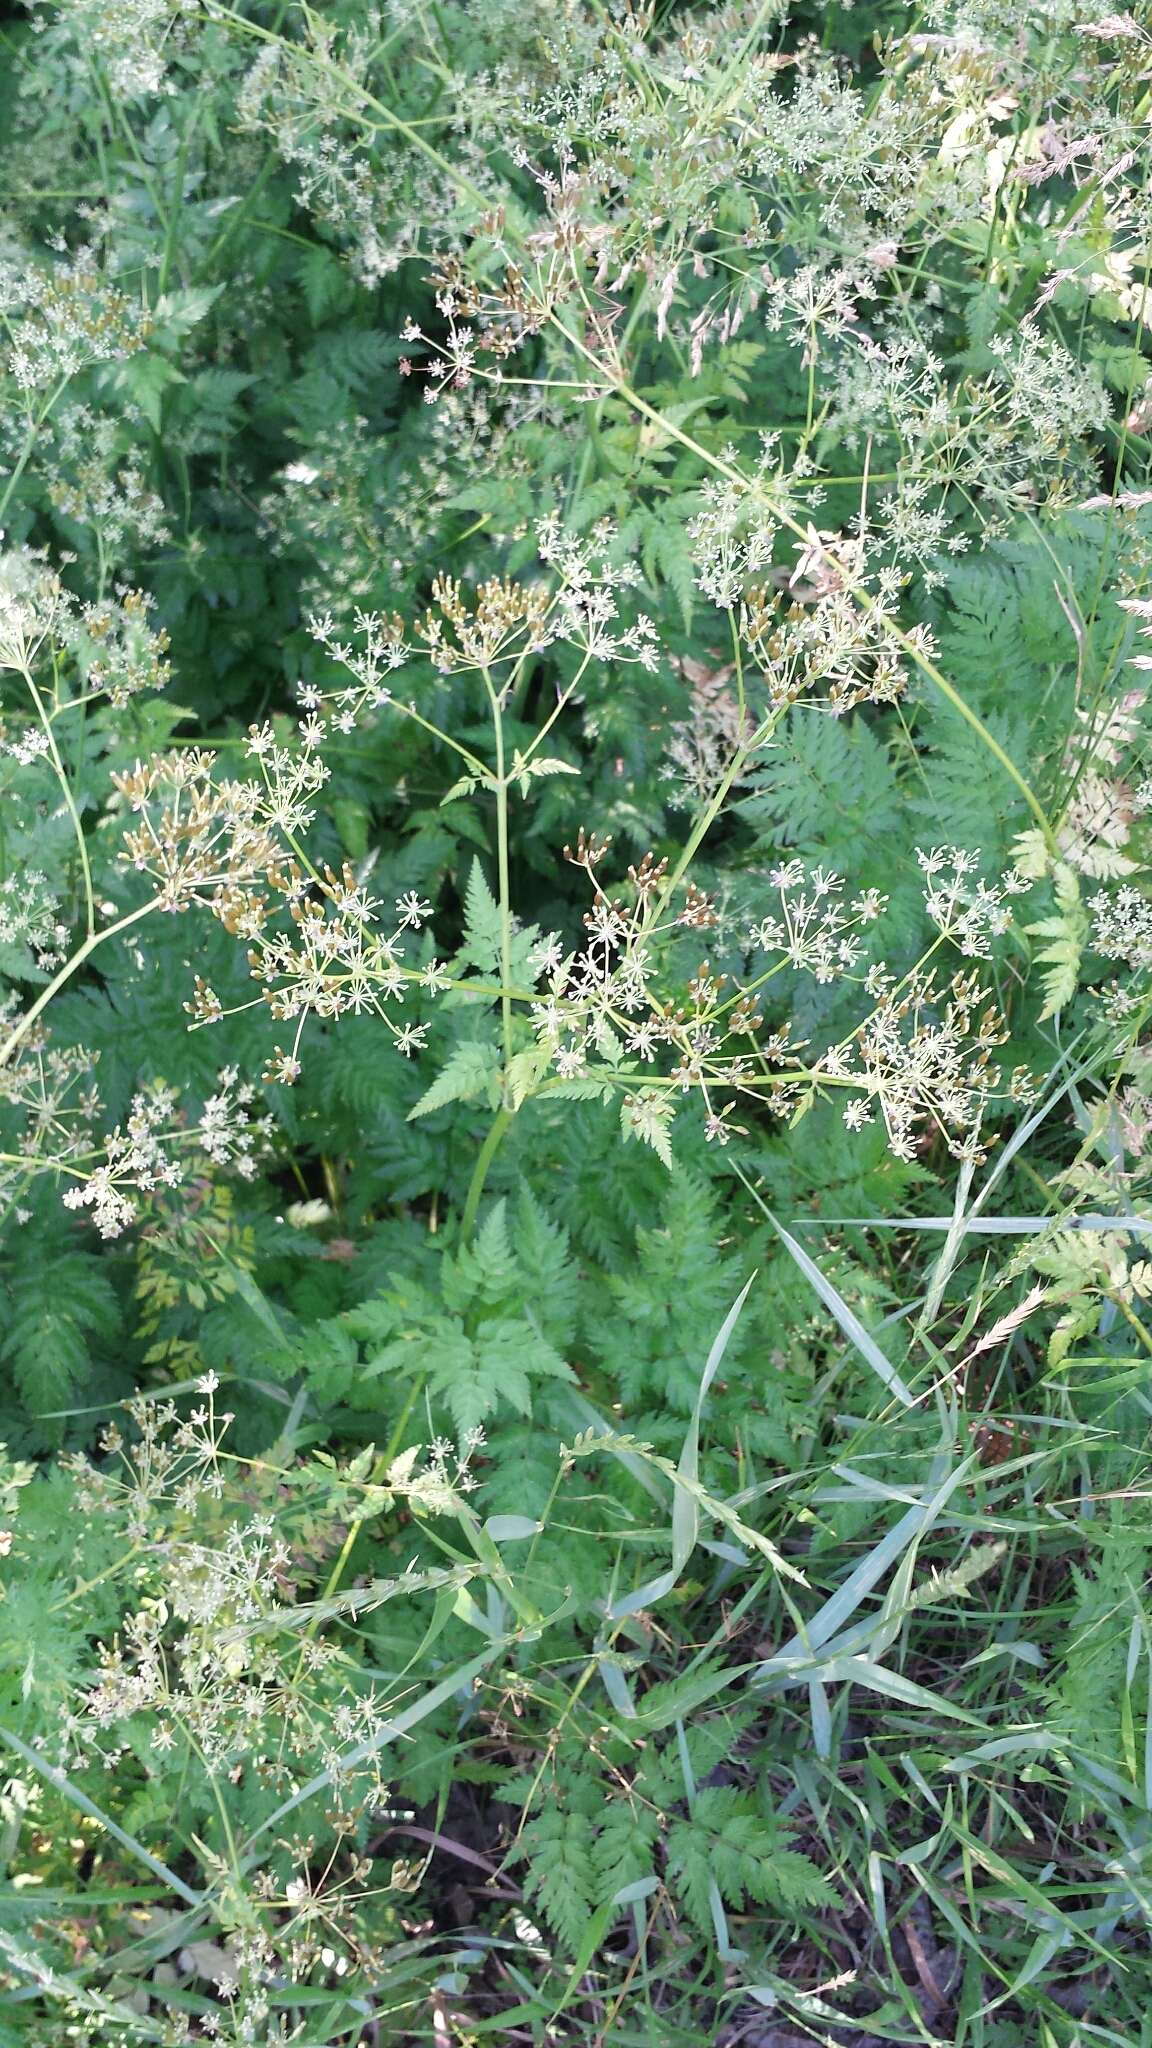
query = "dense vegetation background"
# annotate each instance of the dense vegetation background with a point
(575, 1089)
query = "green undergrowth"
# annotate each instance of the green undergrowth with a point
(575, 1077)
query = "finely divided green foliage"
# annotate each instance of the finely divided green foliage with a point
(575, 1089)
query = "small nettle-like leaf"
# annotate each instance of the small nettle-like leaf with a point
(333, 1367)
(146, 377)
(1030, 855)
(325, 280)
(376, 1321)
(210, 402)
(1091, 1695)
(668, 556)
(522, 1073)
(622, 1853)
(1065, 936)
(647, 1117)
(473, 1376)
(482, 928)
(471, 1072)
(544, 1257)
(463, 787)
(17, 964)
(486, 1271)
(539, 765)
(178, 312)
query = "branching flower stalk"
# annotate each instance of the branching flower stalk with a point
(234, 847)
(15, 1037)
(68, 799)
(908, 643)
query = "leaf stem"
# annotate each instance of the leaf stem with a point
(487, 1153)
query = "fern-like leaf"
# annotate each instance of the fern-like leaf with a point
(57, 1310)
(1065, 936)
(727, 1842)
(561, 1874)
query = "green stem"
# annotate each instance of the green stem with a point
(711, 812)
(24, 1024)
(29, 443)
(559, 706)
(484, 1158)
(69, 802)
(502, 863)
(505, 916)
(378, 1477)
(409, 711)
